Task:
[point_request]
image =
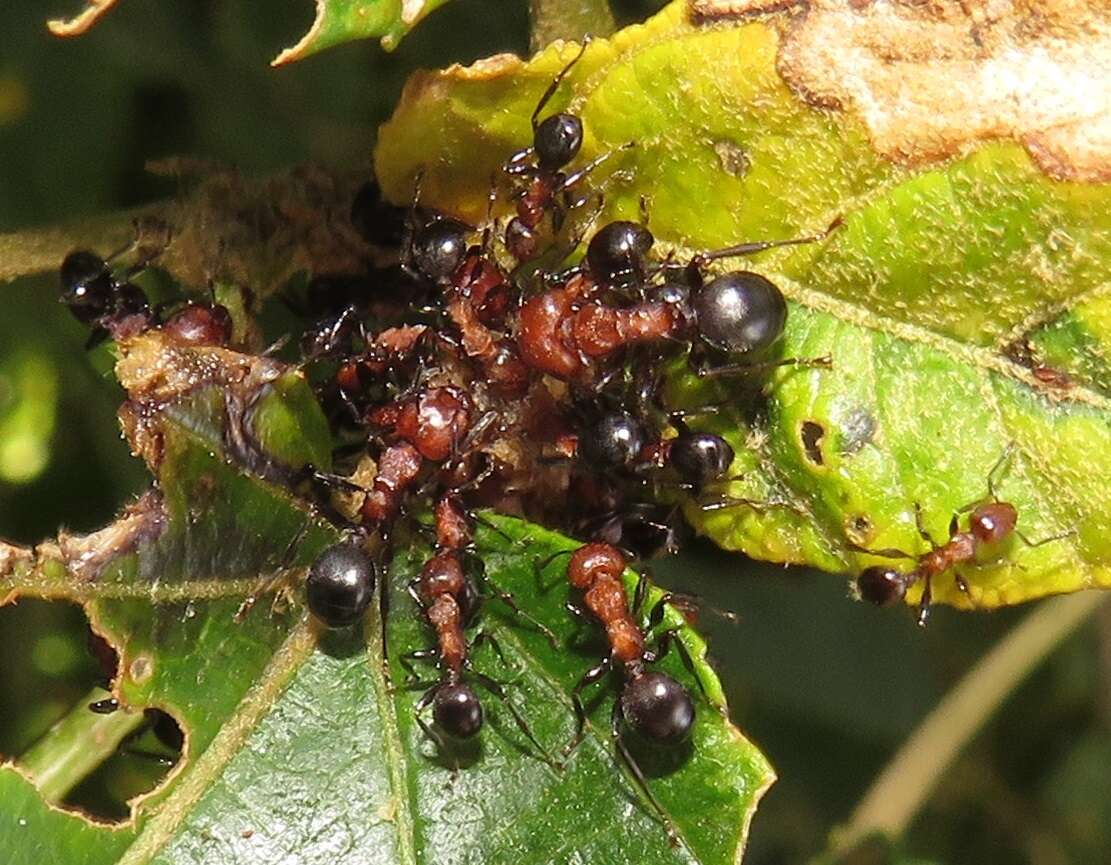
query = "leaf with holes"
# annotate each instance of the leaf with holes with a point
(297, 745)
(963, 301)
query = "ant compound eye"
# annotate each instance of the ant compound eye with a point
(881, 585)
(340, 585)
(615, 441)
(740, 312)
(438, 249)
(617, 254)
(457, 711)
(557, 140)
(700, 458)
(658, 708)
(376, 220)
(87, 285)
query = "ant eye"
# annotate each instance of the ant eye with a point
(658, 708)
(557, 140)
(457, 711)
(87, 285)
(881, 586)
(616, 254)
(700, 457)
(438, 249)
(615, 441)
(340, 585)
(740, 312)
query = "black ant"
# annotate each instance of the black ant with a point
(990, 523)
(113, 307)
(556, 141)
(449, 596)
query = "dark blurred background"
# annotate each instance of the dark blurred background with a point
(828, 688)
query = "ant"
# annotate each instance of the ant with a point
(741, 314)
(340, 584)
(556, 141)
(651, 703)
(114, 307)
(990, 522)
(119, 309)
(449, 597)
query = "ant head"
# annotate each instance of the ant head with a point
(658, 708)
(882, 585)
(201, 324)
(617, 253)
(740, 312)
(87, 285)
(993, 522)
(456, 710)
(438, 249)
(557, 141)
(340, 585)
(376, 220)
(613, 442)
(700, 458)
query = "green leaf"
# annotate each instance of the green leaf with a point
(339, 21)
(944, 261)
(298, 742)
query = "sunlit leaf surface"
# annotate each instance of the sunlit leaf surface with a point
(923, 299)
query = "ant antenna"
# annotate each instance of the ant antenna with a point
(550, 92)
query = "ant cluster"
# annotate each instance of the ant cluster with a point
(471, 372)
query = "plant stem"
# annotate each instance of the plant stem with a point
(907, 781)
(568, 19)
(38, 250)
(76, 745)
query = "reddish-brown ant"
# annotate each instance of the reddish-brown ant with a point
(651, 703)
(449, 596)
(990, 522)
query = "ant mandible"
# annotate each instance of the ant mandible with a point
(990, 523)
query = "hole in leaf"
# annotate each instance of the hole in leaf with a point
(812, 434)
(55, 667)
(139, 764)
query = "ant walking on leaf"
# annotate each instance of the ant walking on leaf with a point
(991, 522)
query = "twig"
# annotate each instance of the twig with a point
(908, 779)
(76, 745)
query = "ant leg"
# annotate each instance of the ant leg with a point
(823, 362)
(498, 691)
(1058, 537)
(550, 92)
(539, 567)
(511, 602)
(925, 602)
(486, 637)
(993, 475)
(759, 507)
(638, 776)
(574, 177)
(886, 553)
(742, 249)
(640, 594)
(591, 676)
(689, 606)
(406, 660)
(923, 532)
